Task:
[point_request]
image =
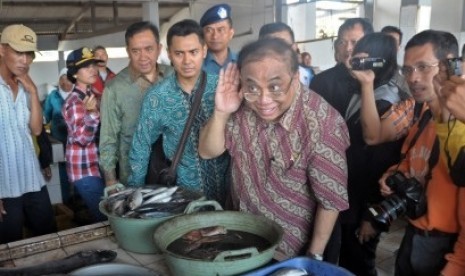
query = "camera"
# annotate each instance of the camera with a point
(408, 198)
(367, 63)
(454, 67)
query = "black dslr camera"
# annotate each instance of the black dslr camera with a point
(408, 198)
(366, 63)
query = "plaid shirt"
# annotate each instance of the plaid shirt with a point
(81, 149)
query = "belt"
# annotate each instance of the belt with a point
(432, 233)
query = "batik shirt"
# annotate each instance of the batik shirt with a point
(282, 170)
(81, 149)
(19, 166)
(165, 110)
(120, 111)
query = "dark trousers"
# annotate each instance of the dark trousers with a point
(422, 255)
(33, 210)
(358, 258)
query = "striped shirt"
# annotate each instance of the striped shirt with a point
(282, 170)
(19, 166)
(81, 149)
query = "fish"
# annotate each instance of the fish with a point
(198, 234)
(198, 243)
(161, 196)
(65, 265)
(149, 202)
(135, 199)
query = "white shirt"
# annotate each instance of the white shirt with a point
(19, 165)
(304, 76)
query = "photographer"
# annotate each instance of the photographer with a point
(432, 230)
(373, 67)
(451, 133)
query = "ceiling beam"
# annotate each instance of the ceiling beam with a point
(71, 25)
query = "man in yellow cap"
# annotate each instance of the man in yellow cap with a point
(24, 197)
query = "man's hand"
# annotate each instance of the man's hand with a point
(47, 173)
(2, 211)
(452, 96)
(228, 98)
(27, 83)
(366, 232)
(384, 188)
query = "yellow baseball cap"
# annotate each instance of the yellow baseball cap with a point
(20, 38)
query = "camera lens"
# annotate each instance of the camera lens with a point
(388, 210)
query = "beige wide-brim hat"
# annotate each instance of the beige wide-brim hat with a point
(20, 38)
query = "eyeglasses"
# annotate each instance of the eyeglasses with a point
(253, 93)
(420, 68)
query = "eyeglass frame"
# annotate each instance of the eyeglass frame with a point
(417, 68)
(274, 95)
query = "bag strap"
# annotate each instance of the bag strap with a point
(187, 128)
(424, 120)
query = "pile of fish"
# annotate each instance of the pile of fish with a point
(149, 202)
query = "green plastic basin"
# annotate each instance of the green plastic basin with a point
(228, 262)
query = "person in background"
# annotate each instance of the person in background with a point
(82, 117)
(452, 97)
(218, 31)
(283, 31)
(338, 93)
(104, 73)
(53, 105)
(432, 231)
(121, 102)
(165, 110)
(307, 64)
(451, 135)
(396, 33)
(287, 146)
(24, 199)
(366, 163)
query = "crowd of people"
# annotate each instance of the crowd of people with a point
(333, 157)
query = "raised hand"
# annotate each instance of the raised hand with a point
(228, 97)
(27, 83)
(90, 102)
(452, 96)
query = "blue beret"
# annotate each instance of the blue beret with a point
(215, 14)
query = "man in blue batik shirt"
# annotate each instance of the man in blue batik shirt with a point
(165, 110)
(218, 32)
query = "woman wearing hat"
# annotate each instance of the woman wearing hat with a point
(82, 119)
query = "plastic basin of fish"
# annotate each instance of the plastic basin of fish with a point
(228, 262)
(134, 234)
(309, 265)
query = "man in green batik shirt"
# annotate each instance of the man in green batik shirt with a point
(165, 110)
(123, 96)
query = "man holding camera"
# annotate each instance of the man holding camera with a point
(432, 230)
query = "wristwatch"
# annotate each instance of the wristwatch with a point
(317, 257)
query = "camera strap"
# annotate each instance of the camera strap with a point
(422, 123)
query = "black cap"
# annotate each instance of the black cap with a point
(214, 14)
(78, 59)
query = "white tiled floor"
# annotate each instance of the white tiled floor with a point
(387, 248)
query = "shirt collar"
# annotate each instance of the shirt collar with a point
(232, 57)
(134, 76)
